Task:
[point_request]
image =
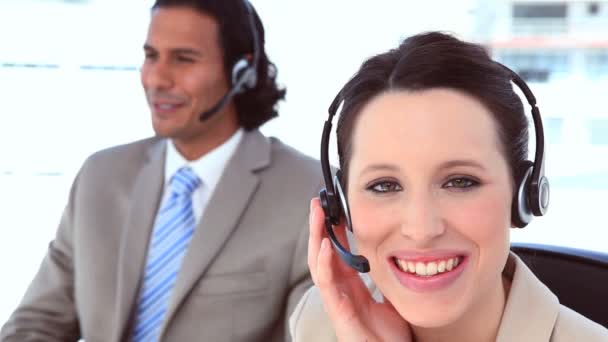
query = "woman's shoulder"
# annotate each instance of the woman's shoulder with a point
(534, 313)
(530, 294)
(572, 326)
(309, 321)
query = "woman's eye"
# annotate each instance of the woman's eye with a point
(385, 186)
(461, 183)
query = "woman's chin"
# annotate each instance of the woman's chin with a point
(429, 317)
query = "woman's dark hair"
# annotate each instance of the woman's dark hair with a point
(433, 60)
(254, 106)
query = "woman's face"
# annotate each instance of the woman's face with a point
(430, 196)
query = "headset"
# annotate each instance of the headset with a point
(531, 197)
(244, 71)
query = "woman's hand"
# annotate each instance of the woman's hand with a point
(355, 315)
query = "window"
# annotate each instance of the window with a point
(536, 66)
(593, 8)
(547, 19)
(599, 131)
(553, 130)
(540, 11)
(596, 63)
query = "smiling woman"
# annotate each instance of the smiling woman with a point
(432, 142)
(450, 206)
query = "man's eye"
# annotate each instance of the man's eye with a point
(185, 59)
(461, 183)
(385, 187)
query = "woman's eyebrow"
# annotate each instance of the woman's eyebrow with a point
(379, 167)
(444, 165)
(461, 162)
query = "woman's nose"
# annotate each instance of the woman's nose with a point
(422, 220)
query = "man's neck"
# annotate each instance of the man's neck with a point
(196, 147)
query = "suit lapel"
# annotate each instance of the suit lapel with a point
(145, 199)
(531, 309)
(226, 206)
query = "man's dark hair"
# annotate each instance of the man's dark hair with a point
(257, 105)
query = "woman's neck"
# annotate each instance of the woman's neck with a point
(480, 324)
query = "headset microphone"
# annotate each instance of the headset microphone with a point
(244, 72)
(237, 88)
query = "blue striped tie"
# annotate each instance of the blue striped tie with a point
(172, 233)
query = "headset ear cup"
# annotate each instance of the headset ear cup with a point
(521, 214)
(340, 178)
(539, 196)
(244, 72)
(341, 194)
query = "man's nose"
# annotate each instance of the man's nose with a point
(157, 76)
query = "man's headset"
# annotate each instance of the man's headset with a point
(244, 71)
(531, 197)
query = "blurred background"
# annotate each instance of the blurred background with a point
(69, 86)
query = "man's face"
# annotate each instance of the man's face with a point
(183, 71)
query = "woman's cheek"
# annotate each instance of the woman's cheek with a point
(372, 225)
(484, 219)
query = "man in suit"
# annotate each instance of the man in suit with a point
(197, 234)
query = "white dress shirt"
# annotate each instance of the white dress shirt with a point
(209, 168)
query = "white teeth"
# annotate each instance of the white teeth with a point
(427, 269)
(420, 269)
(402, 264)
(166, 106)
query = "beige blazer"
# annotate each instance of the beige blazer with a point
(532, 313)
(244, 271)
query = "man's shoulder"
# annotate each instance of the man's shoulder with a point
(119, 159)
(282, 168)
(132, 151)
(287, 157)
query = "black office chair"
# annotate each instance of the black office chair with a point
(578, 277)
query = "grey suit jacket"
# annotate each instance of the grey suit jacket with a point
(532, 313)
(244, 271)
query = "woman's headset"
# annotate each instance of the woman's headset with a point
(531, 197)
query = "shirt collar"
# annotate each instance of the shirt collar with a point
(209, 167)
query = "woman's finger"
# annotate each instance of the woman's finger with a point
(346, 275)
(333, 291)
(316, 233)
(338, 299)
